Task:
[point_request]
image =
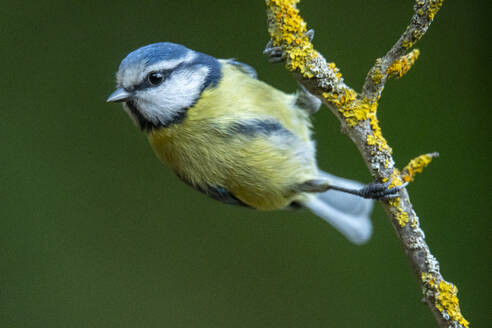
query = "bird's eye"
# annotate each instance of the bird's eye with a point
(155, 78)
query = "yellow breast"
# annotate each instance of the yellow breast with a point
(258, 163)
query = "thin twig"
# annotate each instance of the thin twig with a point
(357, 115)
(425, 11)
(417, 165)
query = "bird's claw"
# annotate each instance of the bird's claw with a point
(310, 35)
(275, 54)
(376, 190)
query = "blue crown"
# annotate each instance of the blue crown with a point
(154, 53)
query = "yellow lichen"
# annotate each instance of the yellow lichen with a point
(335, 69)
(434, 6)
(402, 218)
(407, 44)
(377, 76)
(399, 214)
(417, 34)
(376, 130)
(290, 32)
(401, 66)
(395, 202)
(446, 297)
(345, 99)
(371, 140)
(358, 110)
(395, 179)
(428, 279)
(416, 165)
(447, 300)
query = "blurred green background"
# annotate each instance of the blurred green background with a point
(95, 232)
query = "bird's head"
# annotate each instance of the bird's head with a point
(159, 82)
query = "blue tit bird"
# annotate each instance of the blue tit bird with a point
(235, 138)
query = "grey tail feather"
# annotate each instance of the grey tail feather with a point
(347, 213)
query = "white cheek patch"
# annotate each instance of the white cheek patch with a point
(181, 90)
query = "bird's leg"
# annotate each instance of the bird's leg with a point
(314, 185)
(373, 190)
(275, 54)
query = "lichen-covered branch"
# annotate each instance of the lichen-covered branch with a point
(424, 13)
(357, 113)
(403, 64)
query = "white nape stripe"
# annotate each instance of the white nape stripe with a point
(169, 64)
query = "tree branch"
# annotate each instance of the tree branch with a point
(425, 11)
(357, 115)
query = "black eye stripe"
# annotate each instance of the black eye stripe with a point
(145, 84)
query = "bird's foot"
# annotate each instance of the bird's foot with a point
(310, 35)
(275, 54)
(376, 190)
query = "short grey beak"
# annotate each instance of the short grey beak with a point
(119, 95)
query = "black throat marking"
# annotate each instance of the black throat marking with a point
(147, 125)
